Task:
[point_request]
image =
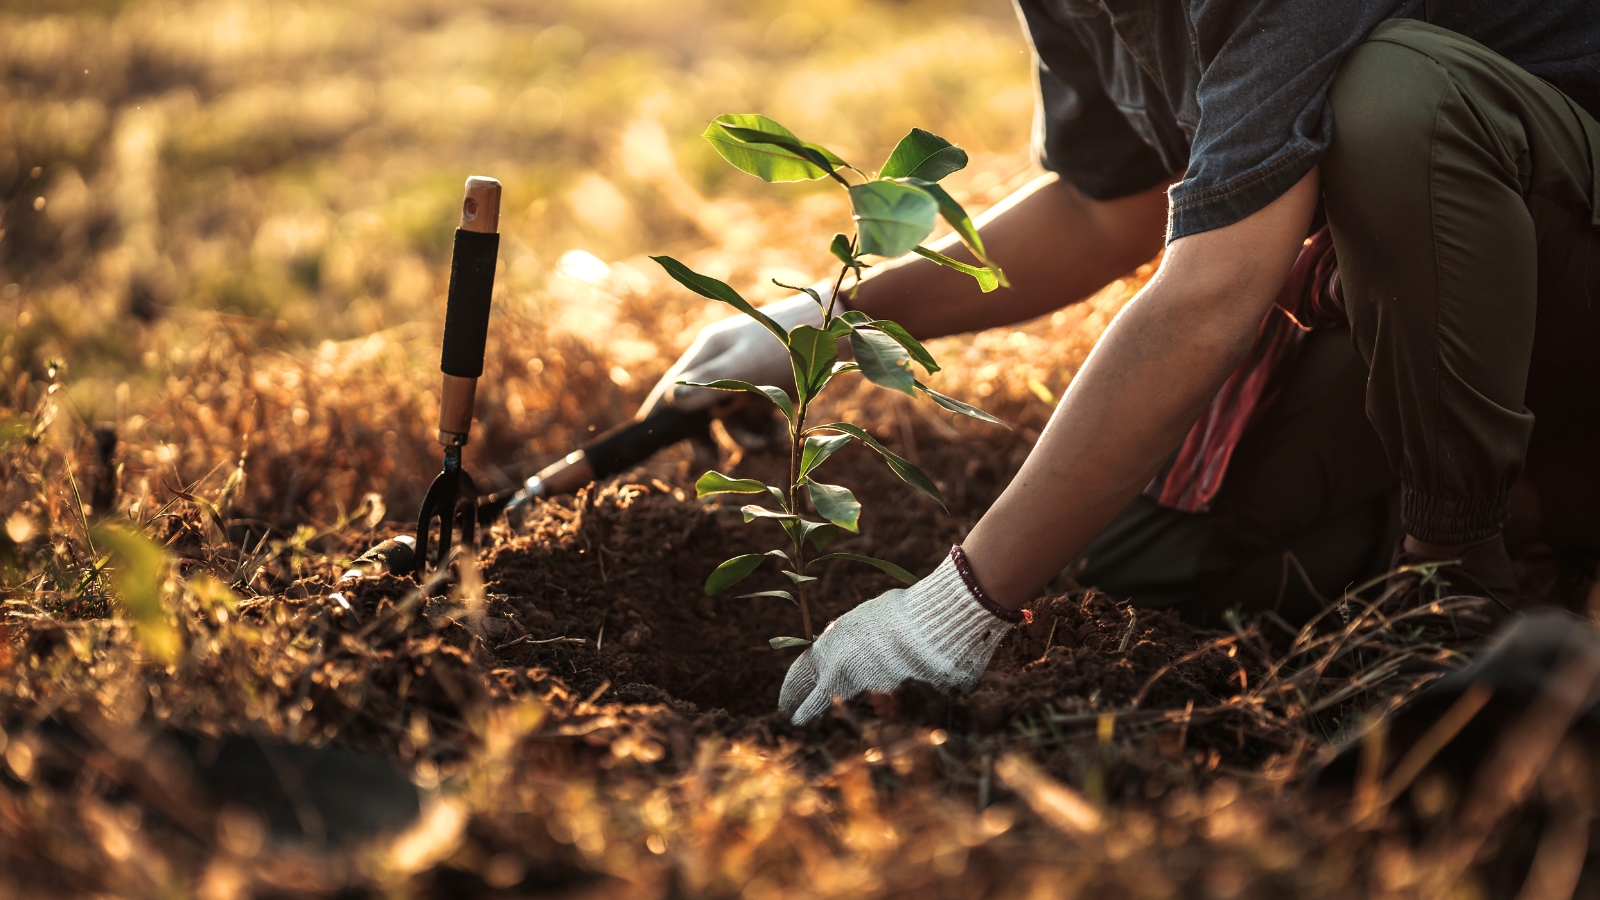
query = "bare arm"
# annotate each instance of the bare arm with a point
(1138, 393)
(1056, 246)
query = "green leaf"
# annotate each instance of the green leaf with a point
(785, 595)
(858, 319)
(986, 277)
(956, 406)
(801, 290)
(139, 569)
(814, 154)
(718, 483)
(767, 150)
(812, 351)
(775, 394)
(908, 473)
(953, 213)
(883, 564)
(836, 504)
(819, 447)
(753, 512)
(732, 571)
(891, 218)
(797, 578)
(712, 289)
(912, 345)
(961, 223)
(925, 155)
(780, 554)
(883, 361)
(820, 534)
(840, 248)
(784, 643)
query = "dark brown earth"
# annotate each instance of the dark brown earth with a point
(603, 591)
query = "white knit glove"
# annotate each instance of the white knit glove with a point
(937, 630)
(738, 347)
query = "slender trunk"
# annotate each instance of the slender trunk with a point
(796, 447)
(827, 314)
(797, 429)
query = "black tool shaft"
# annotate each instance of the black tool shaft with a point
(466, 317)
(614, 452)
(625, 447)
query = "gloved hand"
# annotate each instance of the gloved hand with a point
(738, 347)
(940, 630)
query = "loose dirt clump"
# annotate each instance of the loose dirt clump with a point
(603, 592)
(606, 590)
(1085, 652)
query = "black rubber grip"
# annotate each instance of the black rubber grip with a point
(466, 317)
(623, 448)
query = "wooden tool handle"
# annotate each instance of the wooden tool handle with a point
(466, 323)
(480, 208)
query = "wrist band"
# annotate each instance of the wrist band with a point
(1025, 616)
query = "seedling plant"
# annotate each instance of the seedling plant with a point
(894, 212)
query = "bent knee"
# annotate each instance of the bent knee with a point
(1385, 99)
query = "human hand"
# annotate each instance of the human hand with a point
(937, 630)
(738, 347)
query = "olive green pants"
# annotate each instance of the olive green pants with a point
(1462, 196)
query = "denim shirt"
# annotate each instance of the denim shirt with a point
(1233, 93)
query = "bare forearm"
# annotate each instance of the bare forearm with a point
(1140, 390)
(1056, 247)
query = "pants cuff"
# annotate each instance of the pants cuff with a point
(1451, 520)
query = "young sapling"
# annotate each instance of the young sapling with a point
(893, 213)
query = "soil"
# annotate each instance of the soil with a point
(603, 591)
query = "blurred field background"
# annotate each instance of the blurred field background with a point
(224, 239)
(227, 224)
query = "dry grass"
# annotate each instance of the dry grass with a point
(225, 230)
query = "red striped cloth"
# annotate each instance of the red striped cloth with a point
(1309, 299)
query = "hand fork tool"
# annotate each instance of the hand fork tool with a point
(452, 499)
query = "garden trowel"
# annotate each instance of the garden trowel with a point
(453, 497)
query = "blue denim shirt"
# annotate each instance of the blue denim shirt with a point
(1233, 93)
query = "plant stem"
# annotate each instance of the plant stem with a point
(805, 612)
(796, 427)
(827, 314)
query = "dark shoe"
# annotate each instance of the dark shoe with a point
(1483, 572)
